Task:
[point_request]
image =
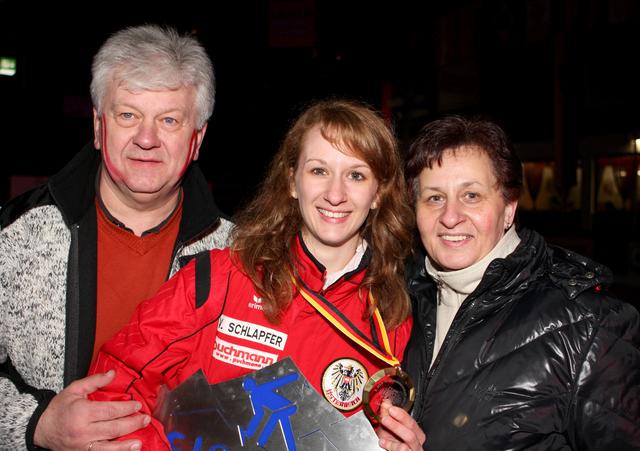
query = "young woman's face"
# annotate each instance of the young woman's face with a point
(460, 211)
(335, 193)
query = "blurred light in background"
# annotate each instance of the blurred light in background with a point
(7, 66)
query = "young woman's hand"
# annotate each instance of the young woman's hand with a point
(398, 431)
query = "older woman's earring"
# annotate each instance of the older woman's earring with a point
(294, 194)
(374, 205)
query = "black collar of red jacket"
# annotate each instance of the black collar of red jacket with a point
(313, 272)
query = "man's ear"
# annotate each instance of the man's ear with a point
(97, 130)
(199, 138)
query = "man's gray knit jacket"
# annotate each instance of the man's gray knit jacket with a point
(48, 285)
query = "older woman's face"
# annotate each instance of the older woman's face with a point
(460, 210)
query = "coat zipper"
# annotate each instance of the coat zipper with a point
(444, 349)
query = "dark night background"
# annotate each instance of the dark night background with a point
(561, 76)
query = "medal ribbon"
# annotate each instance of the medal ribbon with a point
(345, 326)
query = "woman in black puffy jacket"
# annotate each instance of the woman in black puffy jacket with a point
(516, 343)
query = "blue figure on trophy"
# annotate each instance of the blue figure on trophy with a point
(262, 398)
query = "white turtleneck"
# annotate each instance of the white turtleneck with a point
(455, 286)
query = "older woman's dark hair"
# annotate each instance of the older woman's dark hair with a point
(453, 132)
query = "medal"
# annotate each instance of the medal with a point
(389, 383)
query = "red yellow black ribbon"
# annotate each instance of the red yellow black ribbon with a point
(344, 325)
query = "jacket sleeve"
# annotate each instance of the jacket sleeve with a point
(21, 404)
(20, 408)
(156, 348)
(607, 399)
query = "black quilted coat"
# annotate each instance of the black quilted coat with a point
(539, 357)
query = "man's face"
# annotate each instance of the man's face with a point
(147, 139)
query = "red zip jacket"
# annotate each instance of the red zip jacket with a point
(222, 330)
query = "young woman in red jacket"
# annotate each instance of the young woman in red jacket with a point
(315, 273)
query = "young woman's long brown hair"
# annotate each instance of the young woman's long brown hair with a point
(265, 231)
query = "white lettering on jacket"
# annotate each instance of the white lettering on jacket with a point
(237, 355)
(252, 332)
